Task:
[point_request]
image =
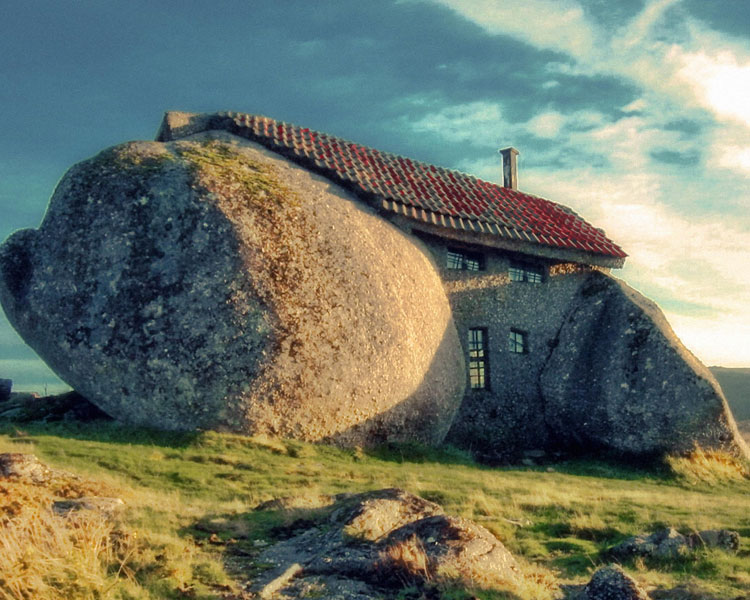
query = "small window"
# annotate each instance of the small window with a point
(478, 376)
(464, 261)
(518, 341)
(527, 273)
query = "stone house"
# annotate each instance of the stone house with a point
(497, 249)
(253, 276)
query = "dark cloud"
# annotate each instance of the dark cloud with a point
(672, 157)
(686, 126)
(728, 16)
(611, 15)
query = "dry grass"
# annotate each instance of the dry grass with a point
(708, 466)
(46, 556)
(408, 560)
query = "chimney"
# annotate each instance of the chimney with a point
(510, 170)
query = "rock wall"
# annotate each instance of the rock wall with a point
(212, 284)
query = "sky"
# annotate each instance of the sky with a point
(635, 113)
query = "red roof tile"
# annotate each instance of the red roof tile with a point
(402, 185)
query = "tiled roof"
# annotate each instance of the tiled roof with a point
(442, 197)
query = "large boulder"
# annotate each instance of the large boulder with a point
(209, 283)
(618, 378)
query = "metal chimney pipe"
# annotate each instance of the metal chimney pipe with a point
(510, 168)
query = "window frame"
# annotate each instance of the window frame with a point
(523, 272)
(478, 360)
(459, 259)
(517, 338)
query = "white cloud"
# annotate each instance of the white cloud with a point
(720, 81)
(552, 24)
(546, 125)
(461, 122)
(722, 341)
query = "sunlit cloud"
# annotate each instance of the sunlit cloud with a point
(555, 25)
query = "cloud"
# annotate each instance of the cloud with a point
(560, 25)
(721, 83)
(461, 122)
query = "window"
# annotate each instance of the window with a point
(527, 273)
(464, 261)
(478, 376)
(518, 341)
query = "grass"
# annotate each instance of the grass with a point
(192, 531)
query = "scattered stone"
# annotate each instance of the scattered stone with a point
(270, 589)
(23, 467)
(296, 502)
(665, 543)
(612, 583)
(377, 514)
(328, 587)
(6, 385)
(669, 543)
(724, 539)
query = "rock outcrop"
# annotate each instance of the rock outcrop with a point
(618, 378)
(381, 539)
(612, 583)
(212, 284)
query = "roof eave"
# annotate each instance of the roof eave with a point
(512, 245)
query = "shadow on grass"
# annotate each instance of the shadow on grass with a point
(110, 432)
(418, 453)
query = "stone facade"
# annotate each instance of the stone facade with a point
(599, 368)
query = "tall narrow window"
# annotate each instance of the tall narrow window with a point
(525, 272)
(464, 261)
(478, 375)
(518, 341)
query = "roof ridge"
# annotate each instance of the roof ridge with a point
(433, 194)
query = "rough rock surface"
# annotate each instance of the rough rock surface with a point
(665, 543)
(383, 538)
(669, 543)
(212, 284)
(6, 385)
(23, 467)
(617, 377)
(612, 583)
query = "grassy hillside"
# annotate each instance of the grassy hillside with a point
(736, 386)
(190, 531)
